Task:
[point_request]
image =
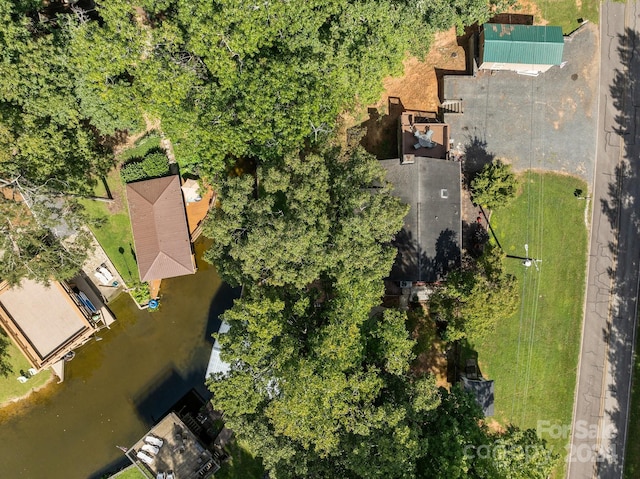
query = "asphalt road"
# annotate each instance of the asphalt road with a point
(601, 411)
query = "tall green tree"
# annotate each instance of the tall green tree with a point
(29, 248)
(476, 296)
(495, 186)
(314, 213)
(43, 133)
(320, 382)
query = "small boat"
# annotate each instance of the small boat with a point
(69, 356)
(148, 460)
(106, 273)
(102, 278)
(154, 441)
(87, 302)
(153, 450)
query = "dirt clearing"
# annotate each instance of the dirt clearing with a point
(418, 87)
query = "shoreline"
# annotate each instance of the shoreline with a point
(19, 400)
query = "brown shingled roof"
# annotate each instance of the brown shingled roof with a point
(160, 232)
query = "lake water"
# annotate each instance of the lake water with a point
(116, 388)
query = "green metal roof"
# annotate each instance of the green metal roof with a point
(533, 45)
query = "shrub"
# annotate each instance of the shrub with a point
(154, 165)
(140, 293)
(496, 185)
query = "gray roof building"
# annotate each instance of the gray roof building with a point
(429, 243)
(482, 389)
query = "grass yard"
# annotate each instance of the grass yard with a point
(130, 472)
(242, 465)
(632, 454)
(10, 388)
(113, 230)
(533, 355)
(566, 13)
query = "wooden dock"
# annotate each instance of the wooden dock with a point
(196, 213)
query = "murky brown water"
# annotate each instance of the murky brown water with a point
(115, 389)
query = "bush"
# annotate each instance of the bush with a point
(140, 293)
(154, 165)
(496, 185)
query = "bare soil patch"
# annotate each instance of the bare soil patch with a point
(417, 89)
(431, 352)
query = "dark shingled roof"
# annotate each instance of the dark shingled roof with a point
(482, 389)
(429, 243)
(160, 232)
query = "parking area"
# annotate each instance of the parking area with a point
(546, 122)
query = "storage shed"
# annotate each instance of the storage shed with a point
(527, 49)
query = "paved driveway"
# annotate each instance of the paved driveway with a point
(604, 380)
(546, 122)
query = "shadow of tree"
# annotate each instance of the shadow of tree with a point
(474, 238)
(381, 138)
(447, 255)
(410, 257)
(381, 129)
(619, 207)
(414, 264)
(475, 157)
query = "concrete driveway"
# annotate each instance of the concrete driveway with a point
(545, 122)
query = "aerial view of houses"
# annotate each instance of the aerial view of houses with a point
(319, 239)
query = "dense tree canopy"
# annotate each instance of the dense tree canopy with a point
(225, 79)
(476, 296)
(310, 215)
(236, 79)
(320, 382)
(43, 133)
(29, 248)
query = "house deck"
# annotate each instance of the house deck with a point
(197, 211)
(181, 452)
(412, 124)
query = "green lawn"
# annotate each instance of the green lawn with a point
(533, 355)
(242, 465)
(10, 388)
(567, 12)
(113, 230)
(632, 455)
(130, 472)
